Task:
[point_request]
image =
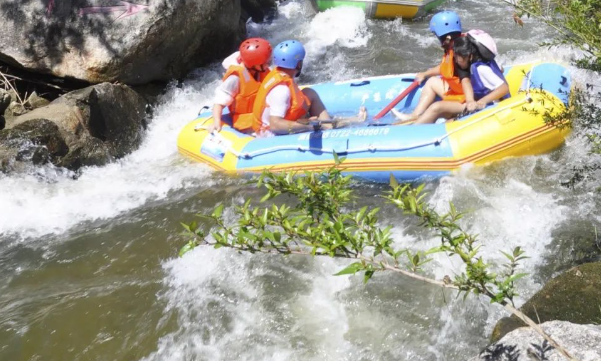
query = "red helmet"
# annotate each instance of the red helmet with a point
(255, 51)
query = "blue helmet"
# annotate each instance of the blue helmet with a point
(445, 22)
(288, 54)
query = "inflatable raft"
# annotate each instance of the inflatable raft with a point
(383, 9)
(374, 150)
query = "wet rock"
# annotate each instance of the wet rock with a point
(36, 141)
(98, 124)
(111, 40)
(575, 242)
(257, 9)
(524, 344)
(574, 296)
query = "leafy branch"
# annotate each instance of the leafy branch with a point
(324, 221)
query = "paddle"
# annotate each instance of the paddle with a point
(396, 100)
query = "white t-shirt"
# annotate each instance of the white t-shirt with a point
(488, 77)
(231, 60)
(278, 103)
(227, 91)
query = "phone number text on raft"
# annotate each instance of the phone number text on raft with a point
(345, 133)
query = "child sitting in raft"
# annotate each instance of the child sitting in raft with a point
(486, 77)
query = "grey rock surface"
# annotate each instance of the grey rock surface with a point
(113, 40)
(97, 124)
(582, 341)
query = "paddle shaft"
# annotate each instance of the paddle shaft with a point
(396, 100)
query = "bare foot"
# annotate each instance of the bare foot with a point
(362, 115)
(402, 117)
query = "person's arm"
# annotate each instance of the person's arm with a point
(491, 81)
(217, 113)
(468, 90)
(279, 126)
(224, 96)
(420, 77)
(496, 94)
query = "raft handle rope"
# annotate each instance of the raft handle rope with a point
(369, 148)
(203, 108)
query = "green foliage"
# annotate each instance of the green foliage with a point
(325, 221)
(577, 24)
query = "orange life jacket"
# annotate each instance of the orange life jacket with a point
(242, 107)
(299, 103)
(447, 71)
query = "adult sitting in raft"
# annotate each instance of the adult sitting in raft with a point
(446, 25)
(281, 107)
(240, 84)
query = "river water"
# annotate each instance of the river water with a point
(89, 263)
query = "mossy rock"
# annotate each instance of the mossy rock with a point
(574, 296)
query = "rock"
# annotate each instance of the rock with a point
(573, 244)
(98, 123)
(38, 141)
(257, 9)
(35, 101)
(574, 296)
(113, 40)
(5, 99)
(15, 109)
(524, 344)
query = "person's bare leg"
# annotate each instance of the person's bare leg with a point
(317, 108)
(359, 118)
(434, 86)
(440, 109)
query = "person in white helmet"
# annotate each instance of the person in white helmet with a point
(486, 76)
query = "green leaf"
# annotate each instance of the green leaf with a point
(187, 248)
(415, 260)
(187, 227)
(393, 181)
(351, 269)
(368, 275)
(218, 211)
(517, 277)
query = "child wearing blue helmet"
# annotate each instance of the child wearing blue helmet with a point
(281, 107)
(451, 86)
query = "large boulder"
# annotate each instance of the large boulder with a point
(574, 296)
(581, 341)
(97, 124)
(114, 40)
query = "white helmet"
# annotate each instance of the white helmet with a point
(484, 42)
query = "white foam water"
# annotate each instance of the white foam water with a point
(52, 202)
